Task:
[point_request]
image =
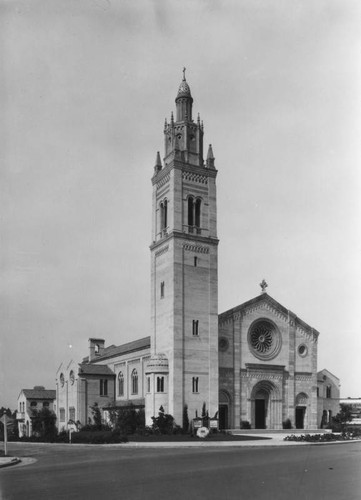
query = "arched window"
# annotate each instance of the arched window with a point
(194, 215)
(163, 216)
(134, 381)
(160, 384)
(197, 221)
(120, 384)
(190, 213)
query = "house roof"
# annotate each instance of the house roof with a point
(88, 369)
(39, 393)
(271, 302)
(112, 351)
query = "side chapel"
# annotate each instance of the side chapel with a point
(256, 362)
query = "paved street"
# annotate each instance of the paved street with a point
(330, 471)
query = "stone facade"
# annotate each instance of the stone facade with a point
(184, 285)
(256, 362)
(267, 366)
(108, 377)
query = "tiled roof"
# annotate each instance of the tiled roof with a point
(39, 393)
(87, 369)
(112, 351)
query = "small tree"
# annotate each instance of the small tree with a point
(43, 423)
(164, 423)
(343, 417)
(97, 416)
(185, 419)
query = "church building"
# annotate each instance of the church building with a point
(256, 363)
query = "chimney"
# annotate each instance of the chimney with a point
(96, 348)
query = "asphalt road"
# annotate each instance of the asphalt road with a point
(330, 471)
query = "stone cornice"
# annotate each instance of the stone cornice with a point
(185, 236)
(195, 248)
(184, 167)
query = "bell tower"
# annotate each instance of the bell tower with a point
(183, 369)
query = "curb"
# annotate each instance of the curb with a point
(10, 462)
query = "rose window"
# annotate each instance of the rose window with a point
(264, 340)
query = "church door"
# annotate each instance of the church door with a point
(260, 413)
(300, 417)
(223, 416)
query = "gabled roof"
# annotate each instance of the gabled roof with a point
(273, 304)
(88, 369)
(39, 393)
(112, 351)
(328, 373)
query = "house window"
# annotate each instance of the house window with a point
(162, 290)
(134, 381)
(103, 387)
(195, 384)
(148, 384)
(33, 404)
(120, 384)
(62, 414)
(195, 325)
(160, 384)
(46, 404)
(328, 391)
(72, 413)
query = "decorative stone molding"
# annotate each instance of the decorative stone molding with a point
(302, 377)
(189, 176)
(225, 321)
(262, 375)
(162, 251)
(195, 248)
(164, 180)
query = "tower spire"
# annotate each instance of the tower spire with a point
(184, 101)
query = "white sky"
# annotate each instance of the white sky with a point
(85, 88)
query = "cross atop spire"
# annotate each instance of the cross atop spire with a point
(184, 73)
(263, 286)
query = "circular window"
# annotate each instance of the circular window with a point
(302, 350)
(223, 344)
(62, 379)
(72, 377)
(264, 340)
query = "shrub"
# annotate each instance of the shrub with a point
(185, 419)
(287, 424)
(245, 424)
(98, 437)
(164, 423)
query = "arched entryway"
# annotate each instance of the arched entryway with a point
(224, 410)
(266, 406)
(301, 410)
